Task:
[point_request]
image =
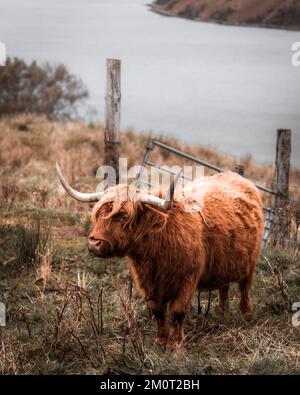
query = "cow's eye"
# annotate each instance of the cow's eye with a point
(120, 216)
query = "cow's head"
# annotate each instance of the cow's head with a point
(122, 216)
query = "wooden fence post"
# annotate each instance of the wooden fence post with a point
(281, 221)
(113, 115)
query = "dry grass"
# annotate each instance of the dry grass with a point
(77, 314)
(28, 155)
(70, 312)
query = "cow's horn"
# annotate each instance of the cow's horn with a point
(81, 197)
(164, 204)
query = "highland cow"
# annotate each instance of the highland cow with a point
(173, 251)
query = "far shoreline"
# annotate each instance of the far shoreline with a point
(161, 11)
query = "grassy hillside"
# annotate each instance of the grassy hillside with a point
(273, 13)
(70, 312)
(30, 146)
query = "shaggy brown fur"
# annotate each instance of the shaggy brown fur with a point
(173, 253)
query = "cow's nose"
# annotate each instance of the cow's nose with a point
(99, 247)
(94, 243)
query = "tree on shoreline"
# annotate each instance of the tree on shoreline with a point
(40, 89)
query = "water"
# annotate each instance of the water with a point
(225, 87)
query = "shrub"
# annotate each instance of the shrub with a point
(47, 89)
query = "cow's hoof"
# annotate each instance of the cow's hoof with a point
(161, 341)
(249, 317)
(175, 344)
(222, 311)
(177, 349)
(172, 345)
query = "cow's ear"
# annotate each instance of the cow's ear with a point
(149, 220)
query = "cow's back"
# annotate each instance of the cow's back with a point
(232, 209)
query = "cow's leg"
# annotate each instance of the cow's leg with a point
(246, 302)
(224, 298)
(163, 328)
(199, 302)
(178, 310)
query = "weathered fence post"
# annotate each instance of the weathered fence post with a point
(281, 221)
(113, 115)
(239, 169)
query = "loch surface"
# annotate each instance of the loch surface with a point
(226, 87)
